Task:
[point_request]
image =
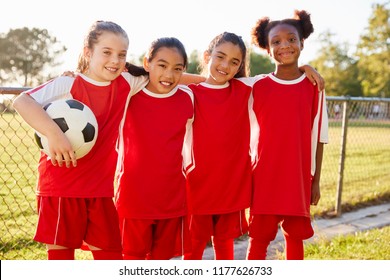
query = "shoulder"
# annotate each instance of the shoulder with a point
(136, 82)
(133, 79)
(57, 88)
(250, 81)
(187, 90)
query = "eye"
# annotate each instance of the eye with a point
(275, 43)
(162, 66)
(179, 69)
(123, 55)
(293, 40)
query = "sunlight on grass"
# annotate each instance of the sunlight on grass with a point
(366, 180)
(369, 245)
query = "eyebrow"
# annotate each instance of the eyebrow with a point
(234, 58)
(163, 60)
(111, 49)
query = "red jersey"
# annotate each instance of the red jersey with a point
(94, 174)
(292, 117)
(221, 181)
(155, 153)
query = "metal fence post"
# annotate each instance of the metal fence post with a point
(342, 158)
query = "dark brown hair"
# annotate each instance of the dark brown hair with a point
(301, 21)
(168, 42)
(235, 40)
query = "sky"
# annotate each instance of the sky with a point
(194, 22)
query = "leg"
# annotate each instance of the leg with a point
(262, 230)
(55, 252)
(295, 230)
(130, 257)
(294, 248)
(227, 227)
(102, 233)
(200, 227)
(99, 254)
(136, 237)
(197, 250)
(223, 248)
(257, 249)
(168, 239)
(61, 226)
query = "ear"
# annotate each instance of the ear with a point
(302, 44)
(145, 64)
(269, 52)
(87, 53)
(206, 57)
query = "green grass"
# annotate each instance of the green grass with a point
(369, 245)
(366, 179)
(367, 169)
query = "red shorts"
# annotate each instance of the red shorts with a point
(155, 239)
(223, 226)
(68, 222)
(265, 227)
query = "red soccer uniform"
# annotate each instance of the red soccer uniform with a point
(293, 119)
(221, 181)
(155, 153)
(94, 174)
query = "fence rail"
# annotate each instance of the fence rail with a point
(355, 170)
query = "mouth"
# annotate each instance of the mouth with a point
(166, 84)
(112, 69)
(286, 54)
(222, 72)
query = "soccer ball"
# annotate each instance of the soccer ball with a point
(78, 123)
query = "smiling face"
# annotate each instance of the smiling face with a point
(284, 44)
(224, 62)
(165, 70)
(107, 59)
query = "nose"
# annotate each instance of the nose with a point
(168, 73)
(225, 64)
(115, 59)
(285, 44)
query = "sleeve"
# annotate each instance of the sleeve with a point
(323, 132)
(187, 150)
(250, 81)
(254, 132)
(136, 83)
(58, 88)
(319, 130)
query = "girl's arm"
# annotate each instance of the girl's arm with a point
(313, 76)
(188, 78)
(315, 185)
(34, 115)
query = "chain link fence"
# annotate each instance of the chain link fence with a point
(355, 171)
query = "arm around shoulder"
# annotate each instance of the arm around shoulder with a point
(188, 78)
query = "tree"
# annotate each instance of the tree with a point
(25, 53)
(260, 64)
(337, 68)
(374, 54)
(194, 63)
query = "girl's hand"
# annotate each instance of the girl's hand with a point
(314, 76)
(61, 150)
(69, 74)
(315, 193)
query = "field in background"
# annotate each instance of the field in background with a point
(364, 183)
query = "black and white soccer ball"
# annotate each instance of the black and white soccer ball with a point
(76, 120)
